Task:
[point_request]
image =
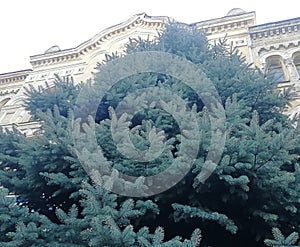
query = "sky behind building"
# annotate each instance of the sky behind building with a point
(30, 27)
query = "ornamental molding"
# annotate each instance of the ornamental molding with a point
(9, 92)
(55, 56)
(227, 23)
(27, 128)
(279, 47)
(14, 77)
(275, 29)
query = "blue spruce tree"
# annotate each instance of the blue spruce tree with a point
(59, 192)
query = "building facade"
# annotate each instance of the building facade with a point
(273, 47)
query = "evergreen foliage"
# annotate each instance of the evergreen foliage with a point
(62, 93)
(280, 240)
(51, 197)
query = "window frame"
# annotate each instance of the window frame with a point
(296, 62)
(276, 64)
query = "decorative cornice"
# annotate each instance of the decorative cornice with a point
(141, 20)
(270, 30)
(12, 77)
(279, 46)
(227, 23)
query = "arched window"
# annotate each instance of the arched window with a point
(275, 68)
(296, 59)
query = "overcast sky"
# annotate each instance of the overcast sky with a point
(30, 27)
